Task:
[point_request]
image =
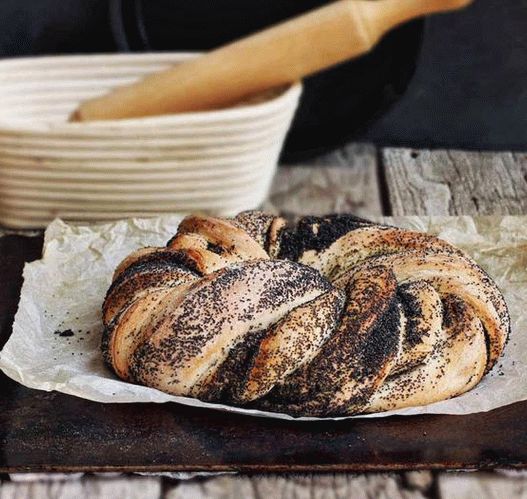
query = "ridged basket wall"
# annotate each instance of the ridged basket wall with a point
(219, 162)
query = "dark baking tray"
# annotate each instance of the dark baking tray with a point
(41, 431)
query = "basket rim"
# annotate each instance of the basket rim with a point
(286, 98)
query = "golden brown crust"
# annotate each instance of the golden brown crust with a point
(219, 239)
(134, 257)
(455, 367)
(423, 309)
(143, 275)
(353, 363)
(292, 342)
(327, 316)
(454, 274)
(193, 338)
(257, 224)
(366, 242)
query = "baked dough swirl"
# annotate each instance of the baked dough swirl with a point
(328, 316)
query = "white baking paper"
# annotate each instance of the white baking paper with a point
(65, 289)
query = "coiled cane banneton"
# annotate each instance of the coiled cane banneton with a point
(328, 316)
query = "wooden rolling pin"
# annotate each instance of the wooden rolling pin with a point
(277, 56)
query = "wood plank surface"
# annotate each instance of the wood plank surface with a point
(455, 182)
(482, 485)
(296, 487)
(226, 487)
(345, 181)
(123, 487)
(449, 486)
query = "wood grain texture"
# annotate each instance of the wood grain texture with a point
(455, 182)
(419, 480)
(481, 485)
(344, 181)
(87, 488)
(296, 487)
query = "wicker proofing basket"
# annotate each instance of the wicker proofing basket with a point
(219, 162)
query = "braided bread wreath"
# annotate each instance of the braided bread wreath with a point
(331, 316)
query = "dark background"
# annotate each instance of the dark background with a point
(469, 89)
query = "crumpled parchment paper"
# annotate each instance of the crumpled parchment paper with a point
(57, 329)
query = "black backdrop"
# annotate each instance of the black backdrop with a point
(469, 89)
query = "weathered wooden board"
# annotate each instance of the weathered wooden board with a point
(296, 487)
(481, 485)
(455, 182)
(123, 487)
(345, 181)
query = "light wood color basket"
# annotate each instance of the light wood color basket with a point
(219, 162)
